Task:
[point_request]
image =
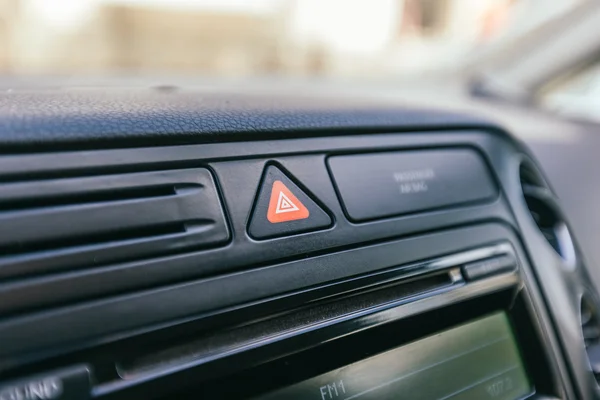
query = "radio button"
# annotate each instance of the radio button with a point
(489, 267)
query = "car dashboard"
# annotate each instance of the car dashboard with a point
(164, 244)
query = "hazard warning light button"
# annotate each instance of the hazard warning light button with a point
(281, 208)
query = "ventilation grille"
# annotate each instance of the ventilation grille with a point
(545, 213)
(590, 327)
(51, 225)
(531, 178)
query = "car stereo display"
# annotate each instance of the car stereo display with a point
(477, 360)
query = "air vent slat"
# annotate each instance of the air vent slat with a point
(546, 214)
(42, 260)
(590, 329)
(113, 185)
(81, 222)
(72, 221)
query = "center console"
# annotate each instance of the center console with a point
(421, 265)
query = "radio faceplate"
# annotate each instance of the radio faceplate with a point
(348, 360)
(476, 360)
(257, 347)
(241, 354)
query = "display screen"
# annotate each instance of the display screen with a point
(477, 360)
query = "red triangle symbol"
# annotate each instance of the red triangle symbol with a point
(284, 206)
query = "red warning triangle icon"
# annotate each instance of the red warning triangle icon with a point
(284, 206)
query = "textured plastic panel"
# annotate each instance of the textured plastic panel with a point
(141, 116)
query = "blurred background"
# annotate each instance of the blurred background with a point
(366, 39)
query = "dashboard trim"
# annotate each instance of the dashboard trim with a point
(65, 326)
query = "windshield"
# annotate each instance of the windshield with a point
(353, 39)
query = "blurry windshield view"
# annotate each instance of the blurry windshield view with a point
(355, 39)
(576, 96)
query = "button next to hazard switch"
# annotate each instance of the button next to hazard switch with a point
(282, 208)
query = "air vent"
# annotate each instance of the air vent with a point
(545, 213)
(530, 177)
(58, 224)
(590, 328)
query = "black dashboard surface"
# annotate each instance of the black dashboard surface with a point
(96, 117)
(54, 135)
(80, 118)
